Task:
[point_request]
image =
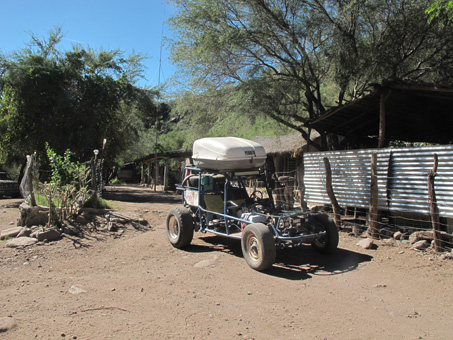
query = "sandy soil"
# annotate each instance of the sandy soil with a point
(133, 284)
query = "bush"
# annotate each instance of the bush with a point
(68, 190)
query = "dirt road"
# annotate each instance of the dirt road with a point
(131, 284)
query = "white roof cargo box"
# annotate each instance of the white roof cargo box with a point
(228, 153)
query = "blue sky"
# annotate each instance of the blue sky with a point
(128, 25)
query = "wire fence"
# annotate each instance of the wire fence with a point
(404, 195)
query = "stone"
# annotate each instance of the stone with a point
(384, 232)
(48, 234)
(366, 243)
(21, 242)
(25, 232)
(111, 227)
(68, 230)
(29, 215)
(76, 290)
(6, 324)
(81, 219)
(398, 235)
(389, 242)
(421, 235)
(421, 245)
(405, 243)
(10, 233)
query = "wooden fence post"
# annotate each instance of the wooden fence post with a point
(331, 194)
(300, 181)
(373, 213)
(434, 209)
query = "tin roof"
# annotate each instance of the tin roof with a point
(414, 113)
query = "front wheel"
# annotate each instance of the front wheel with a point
(258, 246)
(329, 242)
(180, 227)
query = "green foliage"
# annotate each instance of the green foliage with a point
(441, 10)
(68, 190)
(64, 171)
(218, 112)
(75, 98)
(116, 181)
(294, 59)
(98, 203)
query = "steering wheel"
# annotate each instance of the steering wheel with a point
(257, 195)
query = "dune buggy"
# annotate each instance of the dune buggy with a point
(222, 202)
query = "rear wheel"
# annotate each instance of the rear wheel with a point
(180, 227)
(258, 246)
(329, 242)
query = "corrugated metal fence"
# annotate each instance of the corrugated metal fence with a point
(402, 178)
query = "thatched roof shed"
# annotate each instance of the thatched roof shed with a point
(288, 144)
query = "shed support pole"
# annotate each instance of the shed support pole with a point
(165, 177)
(434, 209)
(300, 181)
(331, 194)
(142, 174)
(373, 213)
(149, 174)
(156, 177)
(382, 115)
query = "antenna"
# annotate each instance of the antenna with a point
(156, 161)
(160, 52)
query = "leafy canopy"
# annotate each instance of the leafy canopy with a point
(297, 58)
(71, 99)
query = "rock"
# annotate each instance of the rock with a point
(10, 233)
(384, 232)
(405, 243)
(81, 219)
(48, 234)
(21, 242)
(366, 243)
(389, 242)
(25, 232)
(32, 215)
(76, 290)
(68, 230)
(421, 245)
(118, 220)
(421, 235)
(446, 256)
(398, 235)
(111, 227)
(207, 262)
(6, 324)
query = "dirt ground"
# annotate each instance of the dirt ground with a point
(132, 284)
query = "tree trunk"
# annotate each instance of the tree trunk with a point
(434, 209)
(331, 194)
(373, 213)
(300, 181)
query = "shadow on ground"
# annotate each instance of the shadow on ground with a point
(11, 203)
(139, 194)
(293, 264)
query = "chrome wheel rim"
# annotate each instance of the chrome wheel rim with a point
(173, 227)
(253, 248)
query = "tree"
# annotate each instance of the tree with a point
(220, 112)
(73, 99)
(289, 53)
(441, 9)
